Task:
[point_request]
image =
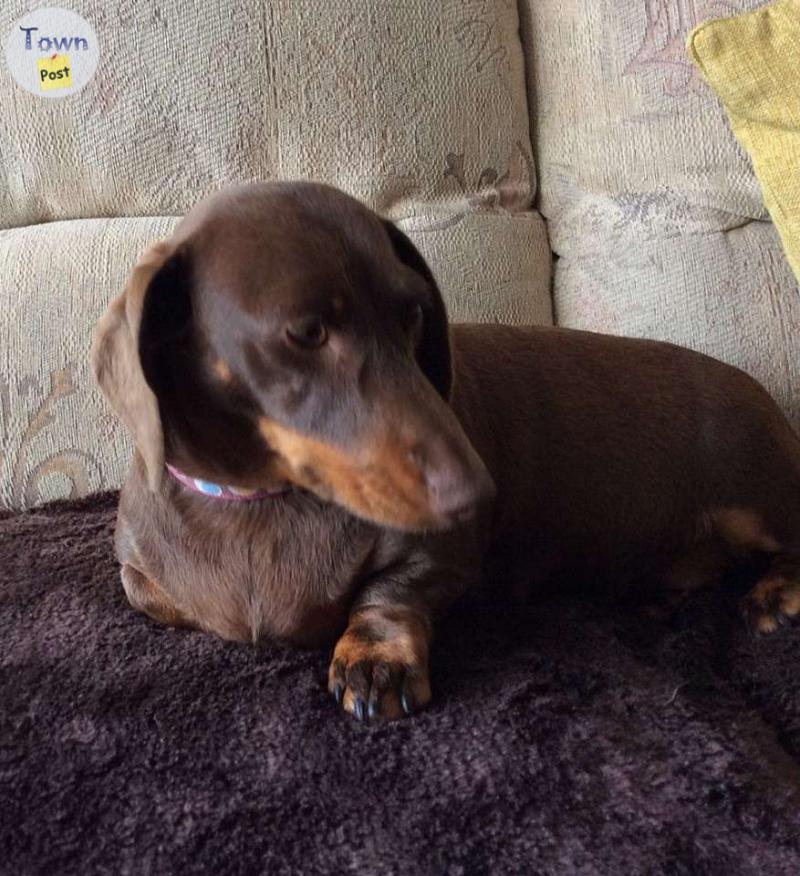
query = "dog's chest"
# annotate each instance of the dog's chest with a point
(288, 572)
(304, 579)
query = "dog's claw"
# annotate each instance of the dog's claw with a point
(406, 702)
(374, 709)
(338, 692)
(358, 709)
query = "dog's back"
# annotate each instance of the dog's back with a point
(608, 452)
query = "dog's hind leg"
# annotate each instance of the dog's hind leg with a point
(774, 601)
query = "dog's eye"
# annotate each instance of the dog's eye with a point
(309, 332)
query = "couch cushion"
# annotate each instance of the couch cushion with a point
(646, 192)
(57, 436)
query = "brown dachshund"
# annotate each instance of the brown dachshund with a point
(318, 456)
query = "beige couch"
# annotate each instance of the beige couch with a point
(435, 113)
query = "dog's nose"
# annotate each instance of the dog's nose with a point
(457, 488)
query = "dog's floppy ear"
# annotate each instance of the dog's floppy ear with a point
(117, 366)
(433, 354)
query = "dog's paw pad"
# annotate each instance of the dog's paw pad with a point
(773, 603)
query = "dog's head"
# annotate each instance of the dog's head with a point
(285, 333)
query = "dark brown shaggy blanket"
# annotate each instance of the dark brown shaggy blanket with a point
(564, 738)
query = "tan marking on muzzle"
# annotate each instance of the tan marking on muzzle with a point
(377, 481)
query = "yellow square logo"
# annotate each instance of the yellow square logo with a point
(54, 72)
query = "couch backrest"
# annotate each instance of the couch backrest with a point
(188, 96)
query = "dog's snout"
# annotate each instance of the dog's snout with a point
(457, 486)
(454, 498)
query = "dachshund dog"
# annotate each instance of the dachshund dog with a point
(319, 456)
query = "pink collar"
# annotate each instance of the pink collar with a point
(220, 491)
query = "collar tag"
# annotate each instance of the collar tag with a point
(221, 491)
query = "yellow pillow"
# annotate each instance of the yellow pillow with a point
(752, 62)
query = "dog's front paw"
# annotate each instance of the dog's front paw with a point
(380, 665)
